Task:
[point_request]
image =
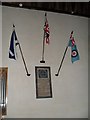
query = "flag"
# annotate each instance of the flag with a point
(12, 49)
(74, 51)
(46, 30)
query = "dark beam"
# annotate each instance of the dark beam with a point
(72, 8)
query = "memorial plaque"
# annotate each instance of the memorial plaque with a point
(43, 82)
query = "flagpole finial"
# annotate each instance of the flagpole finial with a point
(72, 32)
(13, 26)
(45, 14)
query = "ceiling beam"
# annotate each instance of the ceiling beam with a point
(72, 8)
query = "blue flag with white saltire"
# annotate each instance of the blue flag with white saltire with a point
(12, 49)
(74, 51)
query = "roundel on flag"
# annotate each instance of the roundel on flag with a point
(74, 53)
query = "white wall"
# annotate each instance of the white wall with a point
(0, 35)
(70, 88)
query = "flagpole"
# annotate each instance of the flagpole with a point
(63, 57)
(62, 61)
(23, 60)
(22, 56)
(43, 61)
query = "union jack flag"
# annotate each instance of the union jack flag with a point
(46, 30)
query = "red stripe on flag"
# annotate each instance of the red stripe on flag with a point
(47, 32)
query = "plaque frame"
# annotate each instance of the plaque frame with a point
(43, 82)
